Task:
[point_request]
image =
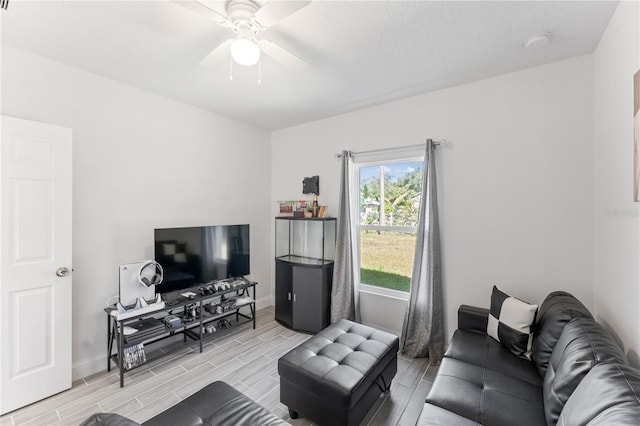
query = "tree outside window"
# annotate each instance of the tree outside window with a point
(389, 206)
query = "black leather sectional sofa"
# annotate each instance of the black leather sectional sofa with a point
(578, 374)
(217, 404)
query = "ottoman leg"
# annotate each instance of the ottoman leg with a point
(293, 414)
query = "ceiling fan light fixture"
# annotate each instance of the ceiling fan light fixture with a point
(245, 52)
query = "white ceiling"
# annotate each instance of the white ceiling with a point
(360, 53)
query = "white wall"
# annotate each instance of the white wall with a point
(616, 216)
(141, 161)
(515, 185)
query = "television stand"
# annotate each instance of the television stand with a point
(129, 340)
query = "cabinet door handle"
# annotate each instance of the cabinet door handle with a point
(289, 296)
(294, 297)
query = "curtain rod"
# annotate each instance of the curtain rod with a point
(398, 148)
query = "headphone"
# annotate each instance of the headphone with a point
(156, 278)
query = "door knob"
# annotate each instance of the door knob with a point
(62, 272)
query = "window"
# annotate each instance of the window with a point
(389, 200)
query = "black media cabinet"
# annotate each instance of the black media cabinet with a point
(195, 329)
(305, 249)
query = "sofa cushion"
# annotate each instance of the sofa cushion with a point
(608, 395)
(484, 351)
(486, 396)
(582, 344)
(216, 404)
(557, 309)
(510, 321)
(433, 415)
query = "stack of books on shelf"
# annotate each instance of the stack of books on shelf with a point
(133, 356)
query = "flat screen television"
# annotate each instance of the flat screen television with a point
(199, 255)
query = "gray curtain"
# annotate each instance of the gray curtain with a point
(344, 293)
(423, 327)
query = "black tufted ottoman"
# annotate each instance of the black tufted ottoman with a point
(337, 375)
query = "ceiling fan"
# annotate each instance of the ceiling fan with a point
(246, 18)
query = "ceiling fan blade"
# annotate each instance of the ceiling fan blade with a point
(218, 54)
(207, 11)
(276, 10)
(281, 55)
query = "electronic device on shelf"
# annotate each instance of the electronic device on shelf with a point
(141, 307)
(224, 323)
(222, 286)
(238, 282)
(137, 280)
(188, 295)
(192, 256)
(143, 329)
(211, 307)
(205, 290)
(172, 302)
(173, 321)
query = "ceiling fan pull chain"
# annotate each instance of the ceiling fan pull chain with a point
(230, 68)
(260, 70)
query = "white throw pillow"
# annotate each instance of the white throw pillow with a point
(510, 322)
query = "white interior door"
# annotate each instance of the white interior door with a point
(35, 229)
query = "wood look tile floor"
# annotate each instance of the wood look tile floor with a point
(245, 358)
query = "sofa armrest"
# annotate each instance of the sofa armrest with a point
(472, 318)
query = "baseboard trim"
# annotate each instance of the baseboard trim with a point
(88, 367)
(263, 302)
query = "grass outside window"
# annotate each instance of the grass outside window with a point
(386, 259)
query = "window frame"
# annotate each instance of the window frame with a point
(379, 159)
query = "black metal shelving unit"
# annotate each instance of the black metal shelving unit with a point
(191, 330)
